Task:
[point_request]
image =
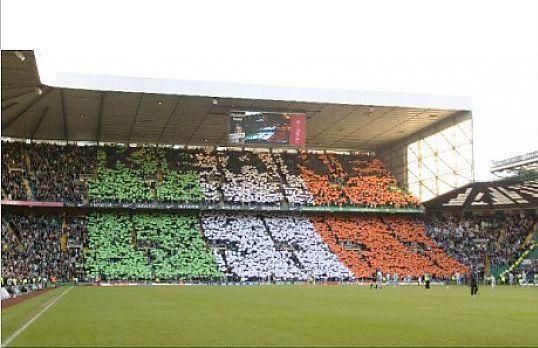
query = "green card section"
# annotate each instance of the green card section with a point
(143, 175)
(146, 247)
(111, 252)
(175, 246)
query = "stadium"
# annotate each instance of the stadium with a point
(240, 215)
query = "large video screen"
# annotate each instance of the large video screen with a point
(270, 128)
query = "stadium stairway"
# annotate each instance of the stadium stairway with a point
(293, 257)
(228, 270)
(28, 189)
(296, 261)
(530, 253)
(532, 234)
(531, 240)
(14, 232)
(64, 235)
(221, 181)
(282, 181)
(533, 255)
(27, 161)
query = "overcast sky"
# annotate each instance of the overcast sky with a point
(487, 51)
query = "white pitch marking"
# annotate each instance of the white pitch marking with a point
(34, 318)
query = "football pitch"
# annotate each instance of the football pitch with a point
(274, 316)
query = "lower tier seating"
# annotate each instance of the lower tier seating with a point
(470, 239)
(312, 253)
(147, 246)
(270, 247)
(174, 245)
(111, 252)
(249, 250)
(376, 246)
(31, 246)
(260, 246)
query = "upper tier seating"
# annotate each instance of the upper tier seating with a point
(208, 166)
(12, 187)
(12, 172)
(294, 187)
(55, 171)
(144, 175)
(250, 178)
(121, 174)
(180, 180)
(351, 179)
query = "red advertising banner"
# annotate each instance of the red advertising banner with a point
(298, 130)
(33, 204)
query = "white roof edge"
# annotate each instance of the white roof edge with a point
(268, 92)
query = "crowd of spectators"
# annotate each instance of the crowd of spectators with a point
(31, 247)
(12, 187)
(267, 247)
(177, 178)
(294, 187)
(122, 174)
(77, 242)
(249, 251)
(296, 233)
(13, 172)
(359, 180)
(394, 245)
(531, 270)
(208, 164)
(161, 246)
(471, 239)
(55, 171)
(243, 245)
(11, 247)
(250, 178)
(252, 246)
(174, 246)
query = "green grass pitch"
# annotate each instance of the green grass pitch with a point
(277, 316)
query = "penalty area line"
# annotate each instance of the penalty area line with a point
(34, 318)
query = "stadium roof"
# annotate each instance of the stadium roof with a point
(518, 192)
(526, 162)
(115, 109)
